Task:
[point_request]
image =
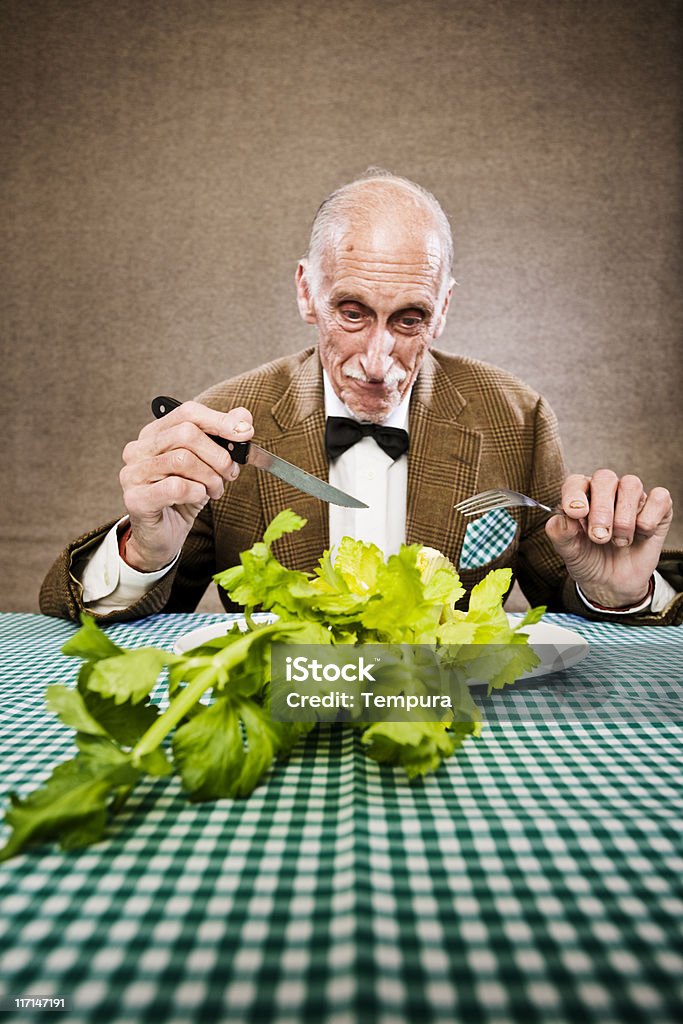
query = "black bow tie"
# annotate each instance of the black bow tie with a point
(342, 433)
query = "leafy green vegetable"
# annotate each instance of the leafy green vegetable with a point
(417, 746)
(129, 677)
(223, 738)
(72, 805)
(90, 643)
(125, 723)
(71, 708)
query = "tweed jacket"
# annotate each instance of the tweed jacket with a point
(472, 426)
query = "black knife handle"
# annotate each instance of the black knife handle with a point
(238, 449)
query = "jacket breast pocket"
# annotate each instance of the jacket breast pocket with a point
(487, 539)
(491, 542)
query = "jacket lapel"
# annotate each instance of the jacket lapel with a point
(443, 462)
(300, 415)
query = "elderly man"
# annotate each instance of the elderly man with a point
(377, 285)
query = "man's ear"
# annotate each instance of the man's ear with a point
(441, 321)
(303, 294)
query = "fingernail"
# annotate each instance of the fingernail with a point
(620, 542)
(234, 471)
(600, 532)
(577, 504)
(242, 425)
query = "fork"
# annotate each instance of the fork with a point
(499, 497)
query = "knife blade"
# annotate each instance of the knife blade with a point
(248, 453)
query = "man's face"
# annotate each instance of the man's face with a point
(380, 304)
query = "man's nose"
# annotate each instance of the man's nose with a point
(376, 359)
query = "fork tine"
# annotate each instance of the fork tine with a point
(478, 499)
(474, 510)
(480, 509)
(487, 501)
(470, 510)
(482, 502)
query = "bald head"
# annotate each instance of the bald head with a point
(384, 212)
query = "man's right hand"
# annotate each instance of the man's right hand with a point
(170, 472)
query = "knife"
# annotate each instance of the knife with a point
(246, 452)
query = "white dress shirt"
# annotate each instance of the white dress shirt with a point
(109, 583)
(372, 476)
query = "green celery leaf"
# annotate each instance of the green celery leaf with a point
(457, 631)
(125, 722)
(513, 661)
(211, 755)
(262, 743)
(71, 806)
(284, 522)
(266, 582)
(261, 579)
(492, 627)
(84, 831)
(102, 752)
(444, 587)
(329, 579)
(440, 577)
(90, 642)
(533, 616)
(418, 747)
(289, 734)
(487, 596)
(129, 676)
(72, 710)
(303, 632)
(496, 663)
(156, 763)
(399, 612)
(207, 751)
(229, 578)
(358, 564)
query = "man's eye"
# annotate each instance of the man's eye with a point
(355, 315)
(410, 320)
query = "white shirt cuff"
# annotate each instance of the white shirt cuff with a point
(109, 583)
(662, 595)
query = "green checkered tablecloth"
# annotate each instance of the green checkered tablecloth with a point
(536, 877)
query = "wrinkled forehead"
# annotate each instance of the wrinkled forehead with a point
(410, 241)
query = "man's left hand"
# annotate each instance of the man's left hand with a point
(611, 535)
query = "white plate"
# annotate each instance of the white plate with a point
(556, 646)
(200, 636)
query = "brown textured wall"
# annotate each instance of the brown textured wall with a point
(161, 163)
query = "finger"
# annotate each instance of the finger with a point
(575, 491)
(567, 536)
(603, 489)
(178, 462)
(656, 514)
(630, 498)
(236, 424)
(146, 499)
(185, 436)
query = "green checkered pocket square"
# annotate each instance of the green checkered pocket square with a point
(486, 538)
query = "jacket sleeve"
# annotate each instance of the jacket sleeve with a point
(180, 590)
(671, 568)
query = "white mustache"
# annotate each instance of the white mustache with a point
(394, 375)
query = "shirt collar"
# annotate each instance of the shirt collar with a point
(334, 406)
